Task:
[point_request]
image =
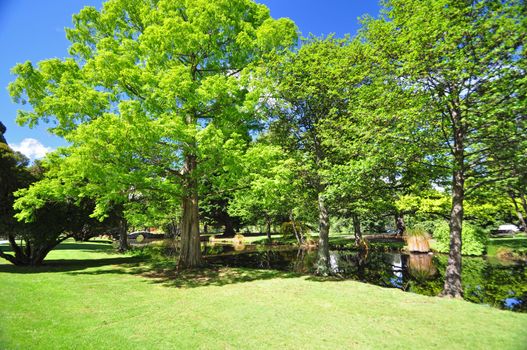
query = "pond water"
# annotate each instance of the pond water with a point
(485, 281)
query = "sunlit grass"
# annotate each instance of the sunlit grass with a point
(89, 298)
(514, 248)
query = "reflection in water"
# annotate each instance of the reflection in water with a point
(421, 266)
(491, 283)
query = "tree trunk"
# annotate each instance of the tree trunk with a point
(20, 257)
(38, 255)
(524, 203)
(123, 235)
(229, 229)
(298, 235)
(453, 287)
(190, 245)
(356, 229)
(268, 229)
(400, 224)
(33, 254)
(517, 209)
(9, 258)
(173, 228)
(323, 267)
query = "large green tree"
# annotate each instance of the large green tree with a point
(149, 82)
(465, 56)
(308, 87)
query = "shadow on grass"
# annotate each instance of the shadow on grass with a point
(68, 265)
(167, 275)
(154, 271)
(94, 246)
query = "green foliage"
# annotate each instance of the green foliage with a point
(287, 229)
(474, 238)
(14, 175)
(417, 231)
(267, 188)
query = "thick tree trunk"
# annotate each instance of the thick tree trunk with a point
(123, 236)
(229, 229)
(38, 255)
(356, 229)
(268, 229)
(519, 214)
(323, 267)
(400, 224)
(190, 245)
(453, 287)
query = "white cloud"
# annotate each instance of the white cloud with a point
(31, 148)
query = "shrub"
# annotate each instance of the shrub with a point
(417, 239)
(474, 239)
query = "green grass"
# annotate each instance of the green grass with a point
(89, 298)
(515, 244)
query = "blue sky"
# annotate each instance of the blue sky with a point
(34, 30)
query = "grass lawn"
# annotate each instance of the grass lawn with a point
(517, 246)
(89, 298)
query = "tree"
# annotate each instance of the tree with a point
(55, 219)
(308, 87)
(465, 56)
(14, 175)
(155, 80)
(267, 189)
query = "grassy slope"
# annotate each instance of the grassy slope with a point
(108, 301)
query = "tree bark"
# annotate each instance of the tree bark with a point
(323, 267)
(356, 229)
(190, 256)
(9, 258)
(524, 203)
(229, 229)
(269, 229)
(517, 209)
(17, 250)
(123, 235)
(298, 235)
(400, 224)
(452, 287)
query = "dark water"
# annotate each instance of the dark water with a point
(491, 282)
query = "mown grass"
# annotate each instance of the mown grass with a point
(518, 242)
(86, 297)
(512, 248)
